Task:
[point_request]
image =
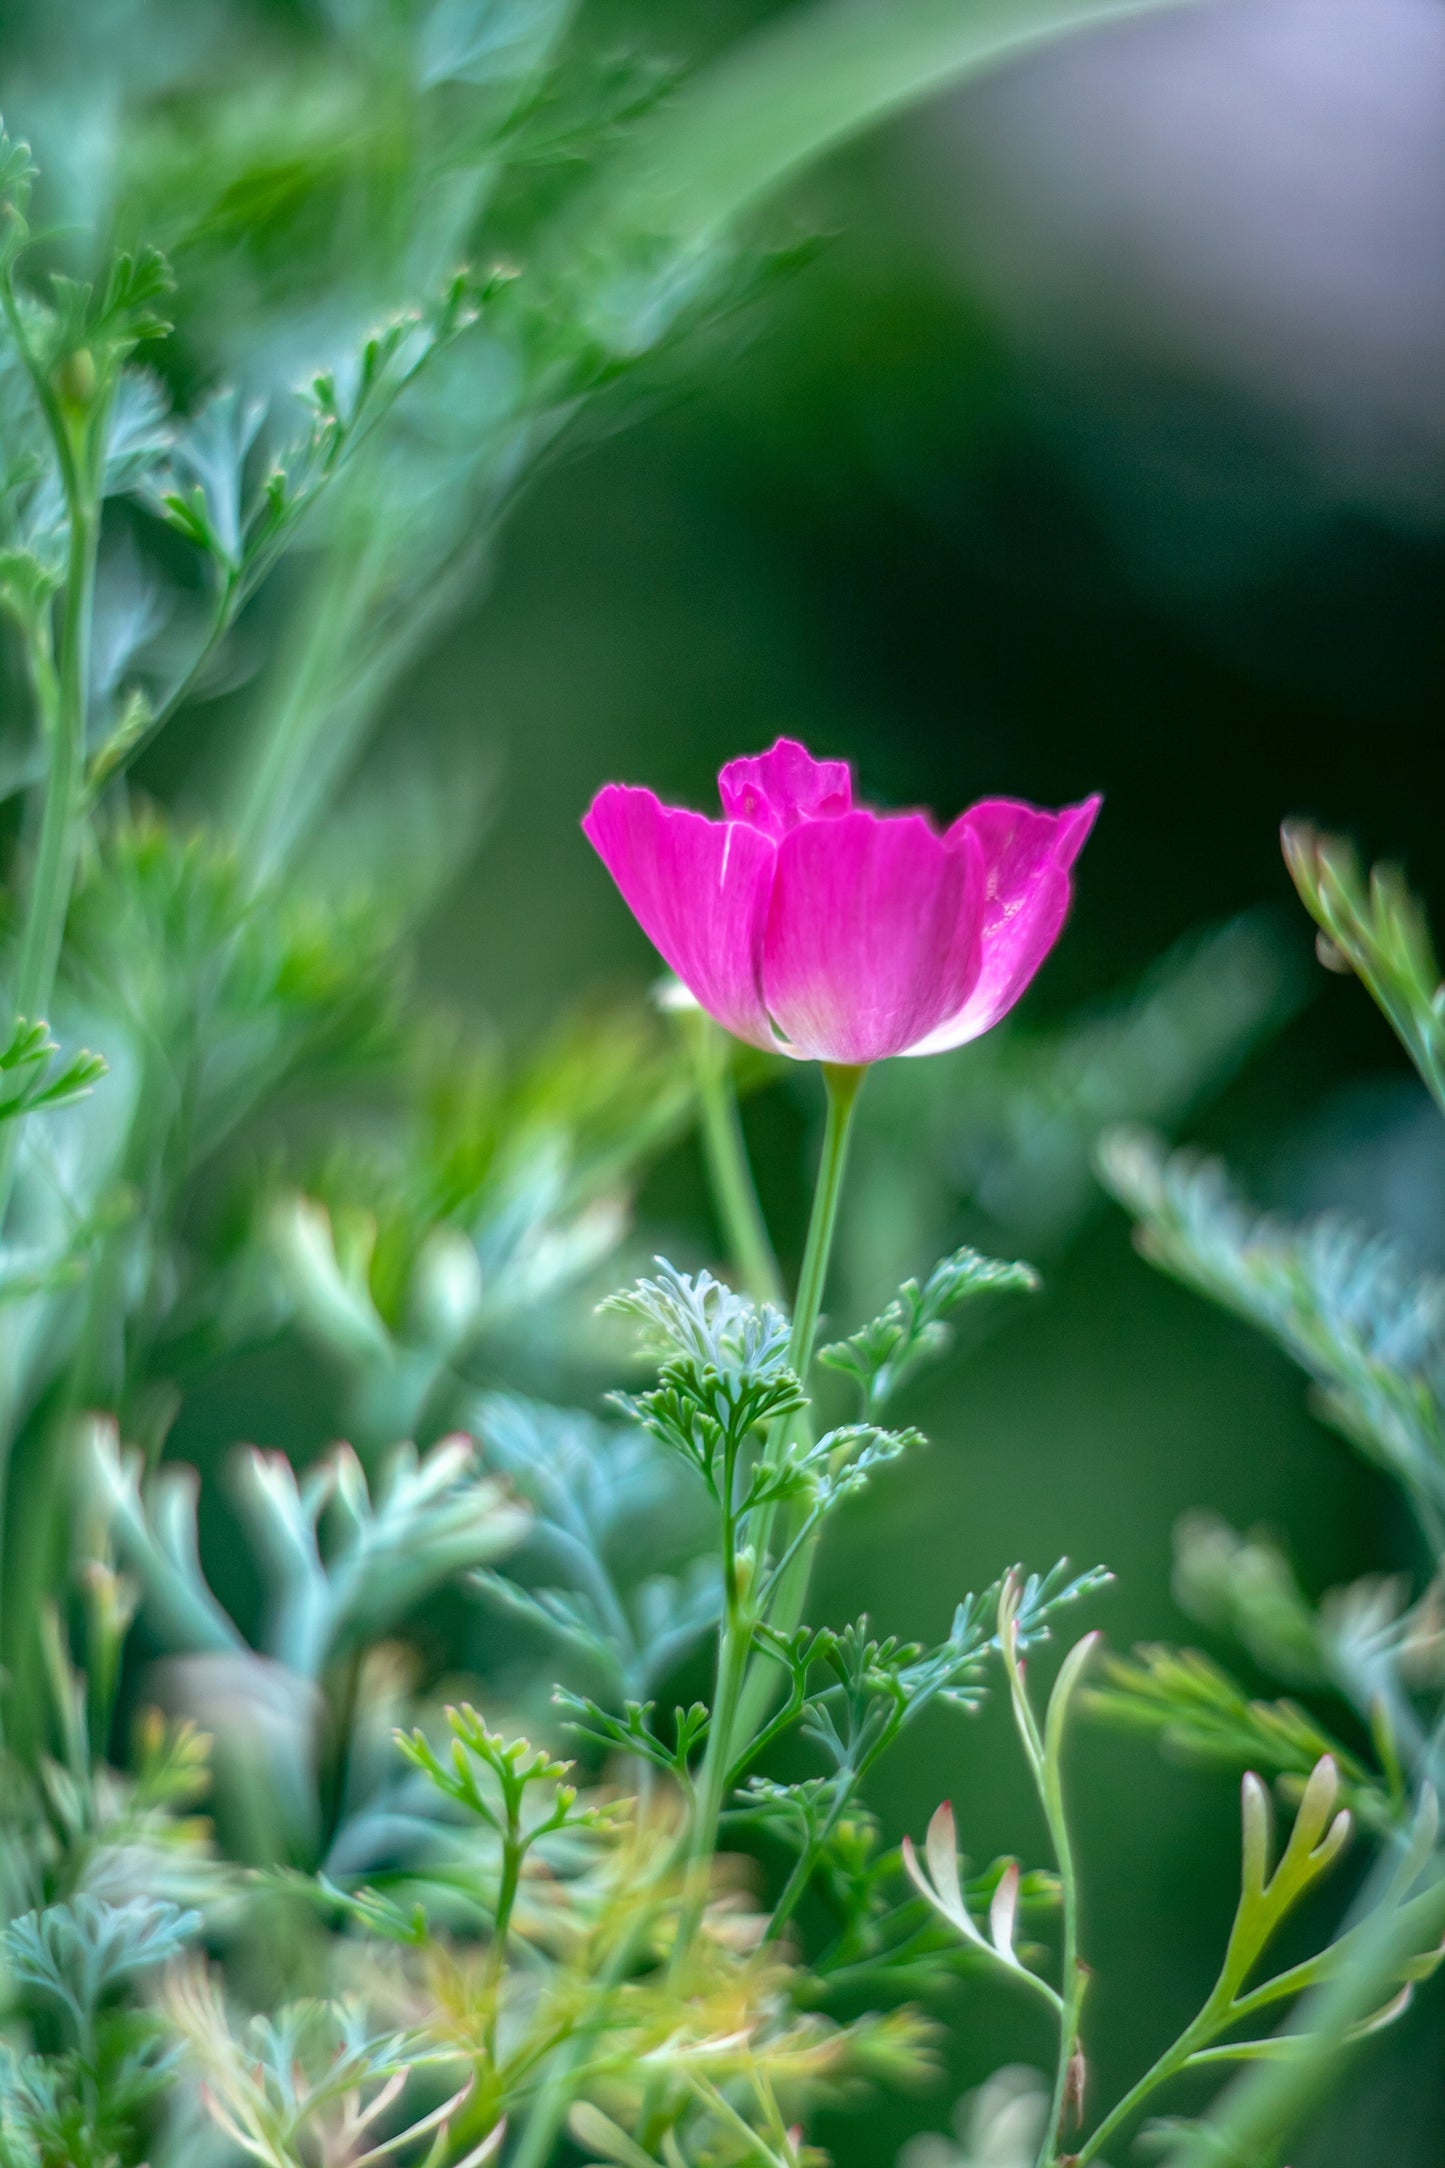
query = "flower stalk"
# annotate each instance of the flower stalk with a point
(843, 1082)
(731, 1702)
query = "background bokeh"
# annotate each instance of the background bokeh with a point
(1093, 441)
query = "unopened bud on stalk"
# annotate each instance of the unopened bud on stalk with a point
(76, 377)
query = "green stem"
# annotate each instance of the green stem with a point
(730, 1176)
(56, 856)
(104, 770)
(756, 2152)
(801, 1875)
(734, 1651)
(1271, 2101)
(843, 1084)
(294, 750)
(737, 1677)
(538, 2134)
(1044, 1766)
(513, 1852)
(1170, 2062)
(736, 1646)
(1074, 1978)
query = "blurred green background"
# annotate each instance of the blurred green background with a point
(1089, 443)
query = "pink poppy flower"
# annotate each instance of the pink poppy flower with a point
(821, 930)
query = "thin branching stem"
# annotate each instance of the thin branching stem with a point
(735, 1648)
(1074, 1979)
(730, 1721)
(1041, 1751)
(513, 1853)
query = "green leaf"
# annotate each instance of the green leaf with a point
(632, 1732)
(1066, 1685)
(725, 1373)
(913, 1328)
(940, 1884)
(30, 1055)
(1199, 1712)
(699, 1320)
(1318, 1836)
(1245, 1586)
(492, 1777)
(77, 1952)
(599, 2134)
(129, 310)
(1351, 1308)
(808, 83)
(17, 172)
(1378, 930)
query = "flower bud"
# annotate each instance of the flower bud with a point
(76, 378)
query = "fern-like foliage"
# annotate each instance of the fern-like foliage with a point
(614, 1560)
(1367, 1324)
(1376, 928)
(344, 1561)
(1351, 1308)
(914, 1328)
(85, 2106)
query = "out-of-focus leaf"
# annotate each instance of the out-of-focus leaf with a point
(1351, 1308)
(1193, 1706)
(1379, 931)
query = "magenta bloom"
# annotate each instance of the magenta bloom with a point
(830, 933)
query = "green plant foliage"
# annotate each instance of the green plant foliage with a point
(79, 2107)
(344, 1562)
(618, 1522)
(302, 301)
(914, 1326)
(30, 1056)
(1378, 930)
(1365, 1323)
(1199, 1712)
(312, 2077)
(1349, 1307)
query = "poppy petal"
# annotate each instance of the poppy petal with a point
(699, 889)
(872, 935)
(1027, 892)
(776, 790)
